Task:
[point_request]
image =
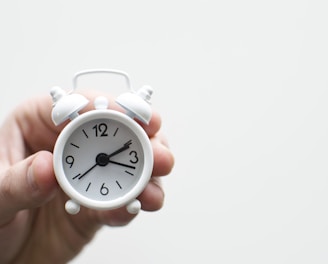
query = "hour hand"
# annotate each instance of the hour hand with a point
(125, 147)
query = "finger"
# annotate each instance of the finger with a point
(35, 113)
(154, 124)
(152, 198)
(28, 184)
(163, 157)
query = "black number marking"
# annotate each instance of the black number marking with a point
(72, 144)
(70, 160)
(88, 187)
(104, 190)
(128, 172)
(100, 130)
(85, 133)
(115, 132)
(118, 184)
(134, 158)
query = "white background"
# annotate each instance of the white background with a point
(242, 88)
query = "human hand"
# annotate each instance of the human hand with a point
(34, 226)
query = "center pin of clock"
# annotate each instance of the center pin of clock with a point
(102, 159)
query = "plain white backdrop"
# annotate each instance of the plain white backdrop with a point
(242, 87)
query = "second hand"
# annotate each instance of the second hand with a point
(87, 171)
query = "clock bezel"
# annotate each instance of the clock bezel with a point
(58, 159)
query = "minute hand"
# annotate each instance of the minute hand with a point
(125, 147)
(122, 164)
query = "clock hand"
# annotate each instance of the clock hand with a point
(122, 164)
(103, 159)
(125, 147)
(81, 176)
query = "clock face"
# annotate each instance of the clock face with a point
(103, 159)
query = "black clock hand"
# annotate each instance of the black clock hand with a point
(81, 176)
(122, 164)
(125, 147)
(103, 159)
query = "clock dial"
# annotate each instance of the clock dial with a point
(103, 159)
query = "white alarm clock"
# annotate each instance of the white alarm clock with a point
(103, 158)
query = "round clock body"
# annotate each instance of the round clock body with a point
(103, 159)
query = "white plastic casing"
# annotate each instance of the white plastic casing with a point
(128, 198)
(67, 105)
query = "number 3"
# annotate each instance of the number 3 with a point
(134, 156)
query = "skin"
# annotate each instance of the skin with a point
(34, 226)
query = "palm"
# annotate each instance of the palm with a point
(46, 225)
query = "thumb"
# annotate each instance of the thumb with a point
(27, 184)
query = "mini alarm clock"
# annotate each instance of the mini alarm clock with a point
(102, 158)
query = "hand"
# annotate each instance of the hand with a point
(32, 214)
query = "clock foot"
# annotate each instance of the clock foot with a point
(134, 207)
(72, 207)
